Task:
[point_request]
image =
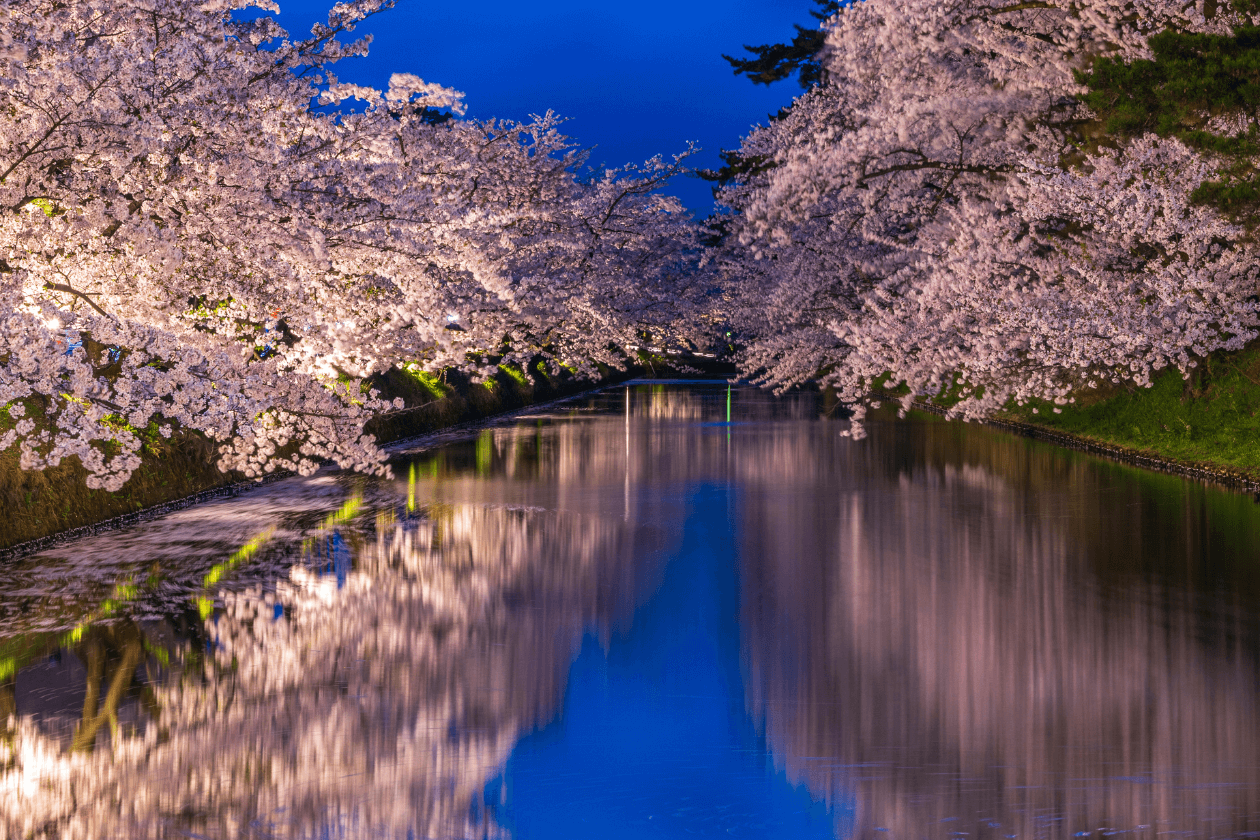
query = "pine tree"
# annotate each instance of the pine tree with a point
(775, 62)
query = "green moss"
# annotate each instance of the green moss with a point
(1212, 418)
(46, 205)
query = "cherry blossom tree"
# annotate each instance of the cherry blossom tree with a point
(207, 230)
(937, 215)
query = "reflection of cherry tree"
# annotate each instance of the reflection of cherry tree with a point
(107, 681)
(941, 648)
(943, 654)
(382, 704)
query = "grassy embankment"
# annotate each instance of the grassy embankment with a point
(1211, 420)
(40, 503)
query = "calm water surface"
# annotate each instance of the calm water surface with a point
(660, 611)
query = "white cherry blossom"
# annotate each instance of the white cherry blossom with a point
(191, 243)
(927, 217)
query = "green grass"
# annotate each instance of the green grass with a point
(516, 374)
(431, 382)
(1212, 419)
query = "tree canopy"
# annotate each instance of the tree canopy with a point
(773, 63)
(938, 217)
(799, 57)
(207, 230)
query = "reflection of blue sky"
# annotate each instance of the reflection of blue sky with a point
(654, 740)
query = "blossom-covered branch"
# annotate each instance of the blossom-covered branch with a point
(939, 215)
(191, 244)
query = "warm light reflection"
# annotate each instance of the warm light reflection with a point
(958, 631)
(956, 640)
(204, 601)
(411, 487)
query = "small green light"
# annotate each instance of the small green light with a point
(411, 489)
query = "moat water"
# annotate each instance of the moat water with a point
(659, 611)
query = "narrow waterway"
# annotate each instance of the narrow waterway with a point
(659, 611)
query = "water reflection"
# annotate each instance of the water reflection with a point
(663, 610)
(372, 700)
(654, 739)
(959, 633)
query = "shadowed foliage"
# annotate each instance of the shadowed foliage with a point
(774, 62)
(1193, 81)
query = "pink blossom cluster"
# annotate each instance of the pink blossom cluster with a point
(928, 217)
(190, 243)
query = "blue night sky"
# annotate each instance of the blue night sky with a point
(635, 79)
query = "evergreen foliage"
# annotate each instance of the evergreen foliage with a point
(774, 62)
(1196, 83)
(734, 168)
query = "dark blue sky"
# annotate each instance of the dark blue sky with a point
(635, 78)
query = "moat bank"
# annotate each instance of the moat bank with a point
(1207, 426)
(42, 506)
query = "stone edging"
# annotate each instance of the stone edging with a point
(126, 520)
(239, 488)
(1225, 478)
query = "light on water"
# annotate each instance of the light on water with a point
(659, 611)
